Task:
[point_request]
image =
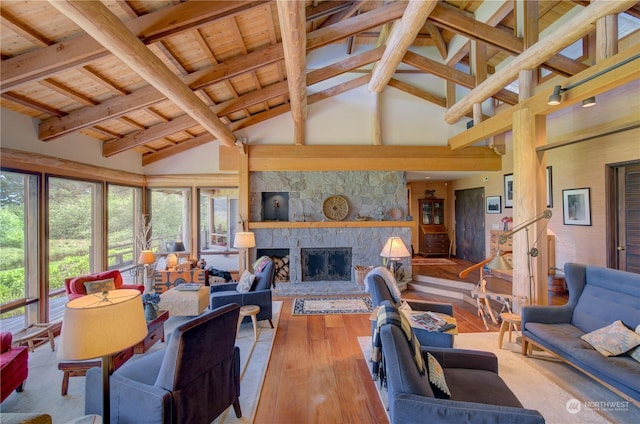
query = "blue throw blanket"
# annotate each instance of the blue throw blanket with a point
(389, 314)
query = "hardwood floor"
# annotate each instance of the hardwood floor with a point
(317, 374)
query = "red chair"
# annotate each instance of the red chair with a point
(13, 365)
(75, 285)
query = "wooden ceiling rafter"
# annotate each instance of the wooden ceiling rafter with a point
(83, 49)
(101, 24)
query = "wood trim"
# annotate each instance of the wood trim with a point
(330, 224)
(370, 158)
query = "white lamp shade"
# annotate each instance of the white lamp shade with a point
(244, 240)
(96, 325)
(146, 257)
(395, 248)
(172, 260)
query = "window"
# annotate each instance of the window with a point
(124, 209)
(219, 221)
(170, 219)
(18, 249)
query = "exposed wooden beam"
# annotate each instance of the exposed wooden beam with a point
(292, 24)
(96, 20)
(434, 32)
(402, 35)
(538, 104)
(576, 27)
(464, 24)
(32, 104)
(238, 65)
(82, 49)
(252, 98)
(451, 74)
(349, 11)
(418, 92)
(370, 158)
(264, 116)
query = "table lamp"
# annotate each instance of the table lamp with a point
(244, 241)
(146, 258)
(100, 325)
(394, 250)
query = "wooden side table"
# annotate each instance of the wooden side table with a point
(510, 322)
(35, 333)
(156, 333)
(252, 311)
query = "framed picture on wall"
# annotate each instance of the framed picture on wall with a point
(508, 191)
(494, 204)
(549, 188)
(576, 206)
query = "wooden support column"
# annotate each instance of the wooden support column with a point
(606, 37)
(527, 29)
(529, 200)
(376, 130)
(243, 199)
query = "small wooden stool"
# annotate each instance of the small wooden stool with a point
(252, 311)
(509, 321)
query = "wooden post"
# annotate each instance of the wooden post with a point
(529, 200)
(243, 200)
(376, 130)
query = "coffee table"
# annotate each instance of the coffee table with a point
(79, 368)
(185, 302)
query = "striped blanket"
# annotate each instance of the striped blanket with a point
(389, 314)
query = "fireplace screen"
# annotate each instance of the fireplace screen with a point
(326, 264)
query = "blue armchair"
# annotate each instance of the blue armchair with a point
(259, 294)
(478, 394)
(379, 292)
(193, 380)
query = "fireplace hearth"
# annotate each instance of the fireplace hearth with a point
(326, 264)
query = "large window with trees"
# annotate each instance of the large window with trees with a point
(218, 222)
(170, 219)
(19, 288)
(124, 209)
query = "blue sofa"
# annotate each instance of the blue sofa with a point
(597, 297)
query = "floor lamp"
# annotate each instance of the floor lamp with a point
(146, 258)
(393, 251)
(100, 325)
(244, 240)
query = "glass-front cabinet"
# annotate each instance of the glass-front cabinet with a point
(434, 239)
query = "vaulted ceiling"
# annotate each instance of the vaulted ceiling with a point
(161, 77)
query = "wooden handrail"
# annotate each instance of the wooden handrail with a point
(466, 271)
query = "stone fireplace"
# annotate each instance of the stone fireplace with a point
(322, 253)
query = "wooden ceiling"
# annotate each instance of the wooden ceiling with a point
(204, 69)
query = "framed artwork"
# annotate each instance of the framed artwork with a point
(508, 190)
(576, 206)
(549, 188)
(494, 204)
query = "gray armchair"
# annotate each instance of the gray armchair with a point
(193, 380)
(478, 394)
(379, 292)
(259, 294)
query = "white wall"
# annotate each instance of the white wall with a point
(20, 132)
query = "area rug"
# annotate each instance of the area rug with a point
(544, 384)
(42, 390)
(431, 261)
(332, 305)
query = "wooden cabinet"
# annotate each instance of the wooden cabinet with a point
(434, 239)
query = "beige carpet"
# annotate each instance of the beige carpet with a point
(545, 384)
(42, 391)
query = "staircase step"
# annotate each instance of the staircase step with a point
(459, 290)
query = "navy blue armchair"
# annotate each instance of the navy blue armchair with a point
(259, 294)
(478, 394)
(193, 379)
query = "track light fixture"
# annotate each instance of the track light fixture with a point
(556, 97)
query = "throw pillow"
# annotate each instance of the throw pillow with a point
(99, 286)
(260, 263)
(246, 280)
(635, 353)
(612, 340)
(436, 378)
